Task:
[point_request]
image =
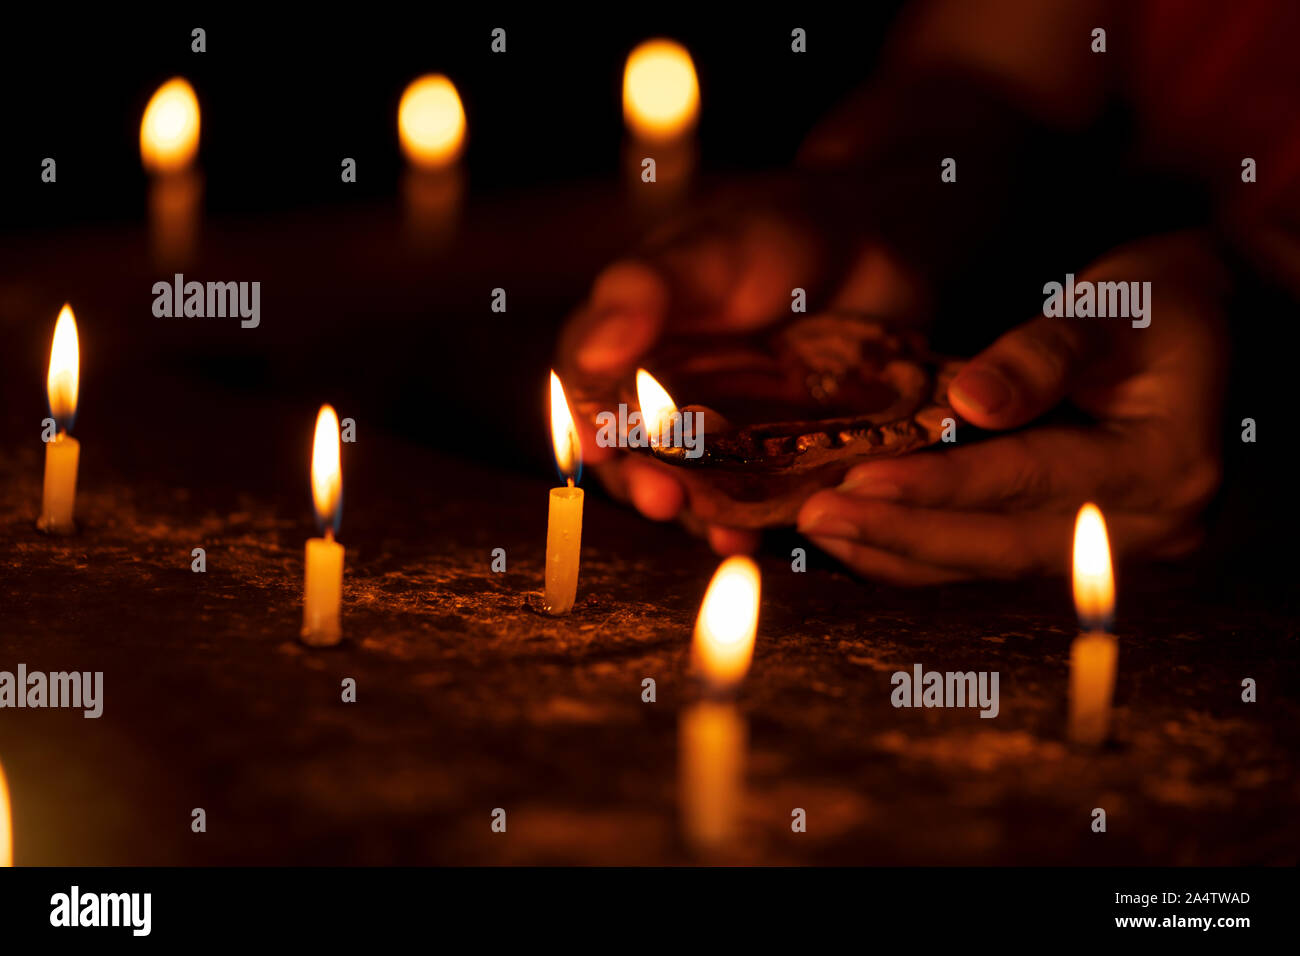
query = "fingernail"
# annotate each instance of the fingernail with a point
(611, 343)
(870, 486)
(983, 389)
(820, 523)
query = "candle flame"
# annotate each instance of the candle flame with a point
(728, 622)
(431, 121)
(564, 433)
(1094, 579)
(65, 370)
(661, 95)
(326, 470)
(657, 406)
(6, 827)
(169, 132)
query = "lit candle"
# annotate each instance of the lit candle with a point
(62, 451)
(431, 128)
(657, 406)
(564, 520)
(712, 733)
(6, 827)
(1094, 653)
(324, 591)
(661, 104)
(169, 142)
(661, 95)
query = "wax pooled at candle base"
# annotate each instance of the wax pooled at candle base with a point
(62, 451)
(323, 591)
(564, 517)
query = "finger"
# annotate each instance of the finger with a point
(1039, 469)
(990, 544)
(1023, 374)
(884, 565)
(621, 319)
(729, 541)
(656, 495)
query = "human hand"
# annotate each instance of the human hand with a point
(731, 270)
(1005, 507)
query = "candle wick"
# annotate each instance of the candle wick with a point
(329, 534)
(570, 479)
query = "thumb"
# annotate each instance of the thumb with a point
(1023, 374)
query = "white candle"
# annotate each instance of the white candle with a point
(564, 517)
(323, 594)
(1094, 654)
(62, 451)
(712, 734)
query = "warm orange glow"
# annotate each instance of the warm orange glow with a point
(431, 121)
(326, 471)
(657, 407)
(728, 622)
(1094, 580)
(65, 370)
(661, 96)
(6, 826)
(169, 132)
(564, 433)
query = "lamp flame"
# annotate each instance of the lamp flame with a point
(657, 406)
(431, 121)
(728, 622)
(661, 95)
(1094, 579)
(564, 433)
(65, 370)
(169, 132)
(326, 470)
(6, 826)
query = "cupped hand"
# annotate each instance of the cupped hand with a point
(1005, 507)
(732, 270)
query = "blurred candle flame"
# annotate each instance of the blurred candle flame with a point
(169, 132)
(326, 470)
(661, 95)
(657, 406)
(431, 121)
(728, 622)
(65, 370)
(564, 433)
(6, 826)
(1094, 580)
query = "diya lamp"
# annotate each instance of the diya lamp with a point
(1095, 652)
(661, 106)
(564, 517)
(783, 411)
(431, 128)
(323, 592)
(62, 451)
(169, 143)
(712, 734)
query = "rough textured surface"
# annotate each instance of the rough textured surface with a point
(468, 699)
